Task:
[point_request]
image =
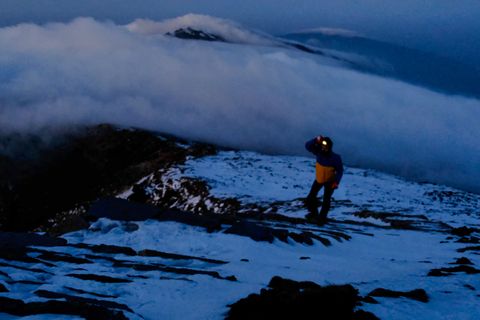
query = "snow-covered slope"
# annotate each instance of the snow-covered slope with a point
(256, 178)
(384, 232)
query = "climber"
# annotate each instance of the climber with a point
(329, 171)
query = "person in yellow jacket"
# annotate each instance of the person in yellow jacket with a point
(329, 172)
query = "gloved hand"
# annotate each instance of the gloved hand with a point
(334, 185)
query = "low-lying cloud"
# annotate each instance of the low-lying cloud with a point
(253, 97)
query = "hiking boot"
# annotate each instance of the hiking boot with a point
(322, 219)
(311, 204)
(311, 217)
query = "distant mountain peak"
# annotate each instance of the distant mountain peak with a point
(191, 33)
(202, 27)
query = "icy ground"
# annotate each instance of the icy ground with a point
(256, 178)
(362, 250)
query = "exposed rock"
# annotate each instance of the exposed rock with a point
(472, 248)
(402, 221)
(447, 271)
(198, 150)
(304, 237)
(60, 257)
(468, 286)
(369, 299)
(471, 239)
(102, 303)
(19, 240)
(21, 256)
(163, 268)
(193, 34)
(255, 232)
(97, 257)
(463, 231)
(463, 260)
(3, 288)
(417, 294)
(82, 309)
(364, 315)
(97, 278)
(120, 209)
(169, 190)
(31, 282)
(82, 166)
(36, 270)
(130, 227)
(288, 299)
(451, 197)
(138, 194)
(67, 221)
(166, 255)
(90, 293)
(437, 273)
(210, 222)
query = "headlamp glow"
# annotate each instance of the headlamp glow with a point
(324, 143)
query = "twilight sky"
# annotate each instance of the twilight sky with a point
(450, 28)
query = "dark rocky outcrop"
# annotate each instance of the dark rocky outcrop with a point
(194, 34)
(3, 288)
(60, 257)
(83, 165)
(471, 248)
(463, 260)
(210, 222)
(176, 194)
(75, 308)
(166, 255)
(20, 240)
(451, 270)
(29, 269)
(65, 222)
(120, 209)
(469, 287)
(472, 239)
(249, 229)
(103, 303)
(417, 294)
(402, 221)
(90, 293)
(463, 231)
(288, 299)
(168, 269)
(97, 278)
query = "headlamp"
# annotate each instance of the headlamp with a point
(324, 143)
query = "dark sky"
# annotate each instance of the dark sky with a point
(447, 27)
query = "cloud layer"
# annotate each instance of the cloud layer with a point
(253, 97)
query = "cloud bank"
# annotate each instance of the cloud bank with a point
(262, 98)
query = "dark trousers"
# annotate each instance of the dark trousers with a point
(311, 200)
